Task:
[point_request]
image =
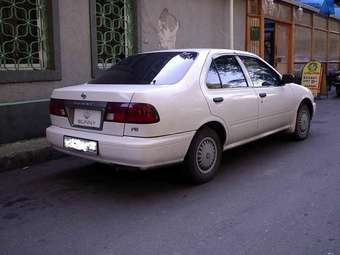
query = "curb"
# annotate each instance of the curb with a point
(26, 153)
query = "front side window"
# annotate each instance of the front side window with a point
(25, 38)
(159, 68)
(225, 72)
(114, 31)
(260, 73)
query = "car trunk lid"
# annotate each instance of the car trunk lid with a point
(86, 105)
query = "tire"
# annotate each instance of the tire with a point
(204, 156)
(303, 120)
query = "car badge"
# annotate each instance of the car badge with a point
(83, 96)
(87, 114)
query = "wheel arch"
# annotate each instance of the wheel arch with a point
(309, 104)
(218, 127)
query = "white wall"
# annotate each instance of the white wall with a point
(202, 23)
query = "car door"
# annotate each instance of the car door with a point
(231, 98)
(275, 100)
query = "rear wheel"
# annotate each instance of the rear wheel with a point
(302, 122)
(204, 156)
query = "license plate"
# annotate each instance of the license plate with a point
(87, 118)
(81, 145)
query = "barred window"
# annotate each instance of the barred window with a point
(24, 35)
(114, 32)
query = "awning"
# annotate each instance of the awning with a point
(325, 7)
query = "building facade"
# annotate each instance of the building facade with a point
(46, 44)
(291, 34)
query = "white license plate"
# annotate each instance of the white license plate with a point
(81, 145)
(87, 118)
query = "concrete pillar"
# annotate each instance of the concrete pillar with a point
(231, 23)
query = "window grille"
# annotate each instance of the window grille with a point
(23, 35)
(114, 31)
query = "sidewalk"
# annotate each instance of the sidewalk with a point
(26, 153)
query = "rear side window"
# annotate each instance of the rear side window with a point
(213, 79)
(225, 72)
(160, 68)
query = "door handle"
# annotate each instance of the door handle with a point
(262, 95)
(218, 99)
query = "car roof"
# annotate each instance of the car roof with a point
(208, 50)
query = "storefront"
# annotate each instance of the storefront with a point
(288, 35)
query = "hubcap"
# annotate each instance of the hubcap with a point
(206, 155)
(304, 122)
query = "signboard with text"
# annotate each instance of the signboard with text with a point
(312, 76)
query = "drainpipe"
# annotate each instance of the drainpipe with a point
(231, 24)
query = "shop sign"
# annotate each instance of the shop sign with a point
(312, 76)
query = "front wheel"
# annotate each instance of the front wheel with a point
(303, 120)
(204, 156)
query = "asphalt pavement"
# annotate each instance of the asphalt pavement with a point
(273, 196)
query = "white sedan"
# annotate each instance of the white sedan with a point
(164, 107)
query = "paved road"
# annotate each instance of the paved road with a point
(273, 196)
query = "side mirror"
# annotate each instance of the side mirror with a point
(287, 78)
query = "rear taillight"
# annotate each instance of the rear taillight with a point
(57, 107)
(137, 113)
(116, 112)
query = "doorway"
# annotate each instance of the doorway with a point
(269, 41)
(276, 43)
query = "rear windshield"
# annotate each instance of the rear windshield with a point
(158, 68)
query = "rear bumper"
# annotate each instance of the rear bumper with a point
(129, 151)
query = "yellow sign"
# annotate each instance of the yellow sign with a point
(312, 76)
